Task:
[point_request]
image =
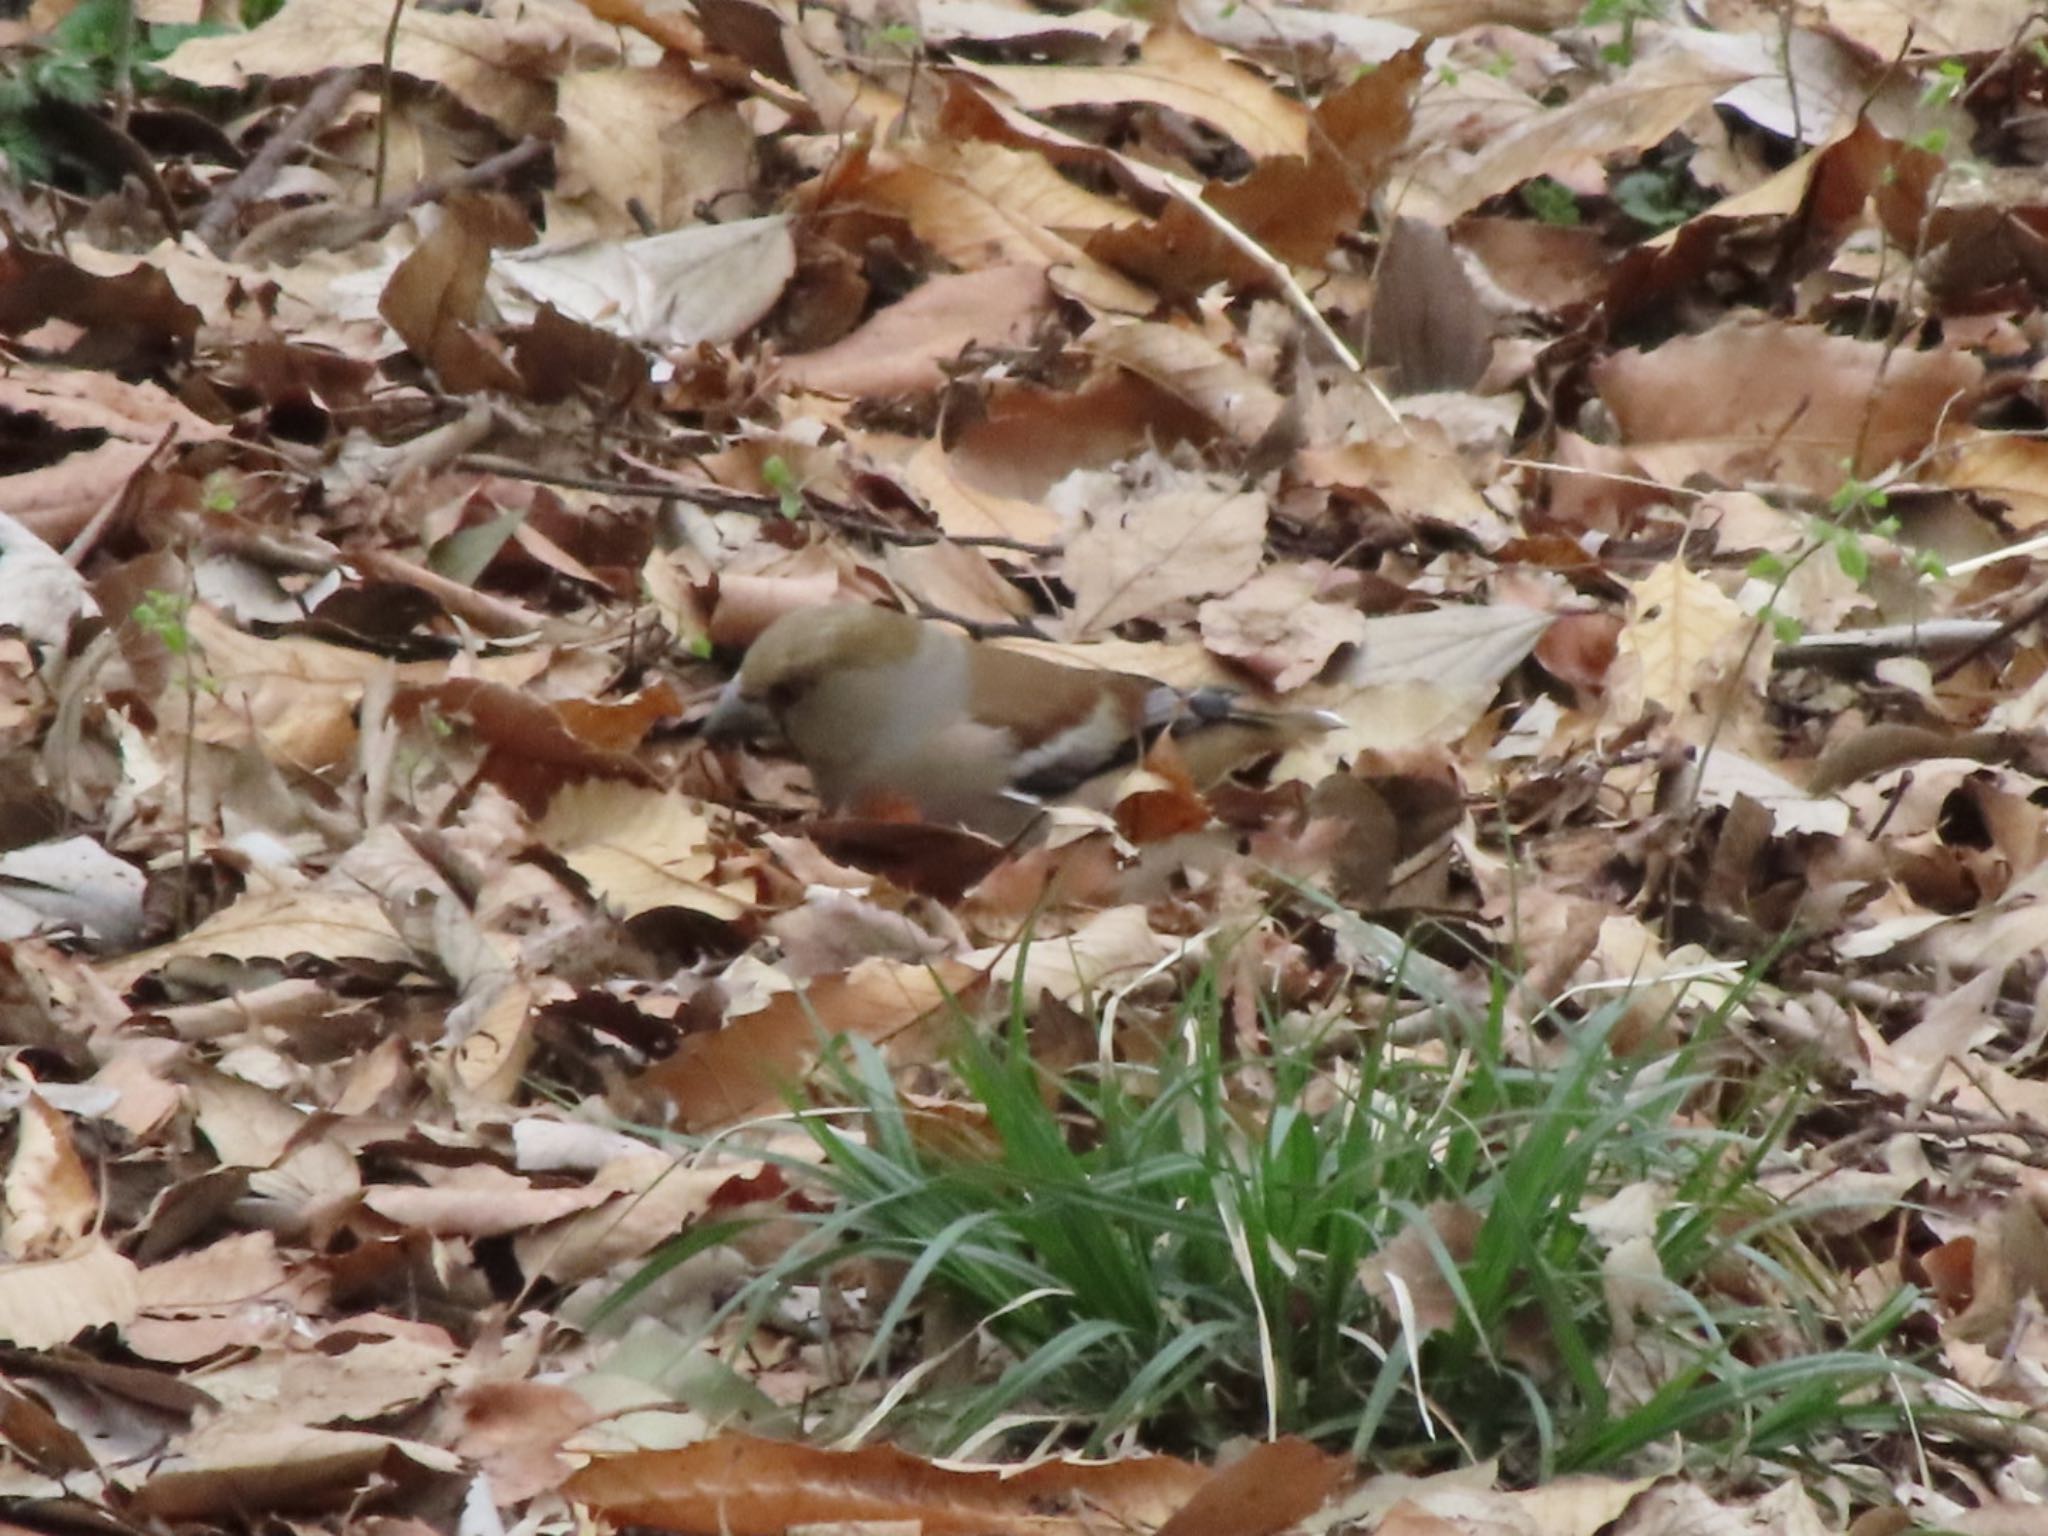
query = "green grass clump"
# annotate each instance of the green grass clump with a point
(1172, 1250)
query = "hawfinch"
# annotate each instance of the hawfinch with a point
(890, 713)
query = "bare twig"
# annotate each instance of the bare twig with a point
(95, 529)
(483, 174)
(385, 91)
(1851, 646)
(314, 113)
(724, 498)
(1292, 291)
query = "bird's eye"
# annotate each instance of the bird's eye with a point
(784, 694)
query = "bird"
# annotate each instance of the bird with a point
(894, 714)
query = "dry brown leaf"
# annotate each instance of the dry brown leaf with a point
(736, 1485)
(1414, 679)
(1884, 28)
(645, 1200)
(980, 205)
(1272, 1487)
(233, 1464)
(2006, 469)
(607, 158)
(1681, 623)
(1175, 69)
(703, 283)
(46, 1302)
(1780, 401)
(50, 1199)
(1650, 100)
(337, 923)
(483, 1202)
(1279, 627)
(1193, 368)
(1417, 475)
(902, 347)
(502, 69)
(1407, 1277)
(640, 848)
(750, 1066)
(1178, 536)
(434, 298)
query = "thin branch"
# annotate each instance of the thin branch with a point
(1852, 646)
(233, 196)
(724, 498)
(1296, 296)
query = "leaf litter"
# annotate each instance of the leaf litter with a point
(396, 467)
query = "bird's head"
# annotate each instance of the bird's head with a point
(794, 656)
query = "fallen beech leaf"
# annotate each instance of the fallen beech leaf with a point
(751, 1065)
(640, 848)
(702, 283)
(1193, 368)
(504, 72)
(737, 1485)
(981, 204)
(434, 296)
(1650, 100)
(1278, 627)
(73, 884)
(1270, 1488)
(1410, 1258)
(1180, 536)
(1780, 401)
(51, 1200)
(901, 348)
(1175, 69)
(45, 1302)
(607, 159)
(1681, 622)
(341, 923)
(1414, 679)
(230, 1465)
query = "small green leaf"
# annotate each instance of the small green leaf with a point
(1551, 201)
(1769, 567)
(1786, 628)
(468, 552)
(781, 479)
(1854, 559)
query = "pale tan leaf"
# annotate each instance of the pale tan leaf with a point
(1645, 106)
(332, 924)
(640, 848)
(1175, 69)
(706, 282)
(2007, 469)
(482, 1202)
(979, 204)
(619, 142)
(46, 1303)
(1189, 365)
(1885, 27)
(1680, 621)
(501, 68)
(1278, 626)
(751, 1065)
(51, 1199)
(1416, 678)
(1179, 537)
(1781, 401)
(230, 1464)
(901, 348)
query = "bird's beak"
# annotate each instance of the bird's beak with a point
(736, 718)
